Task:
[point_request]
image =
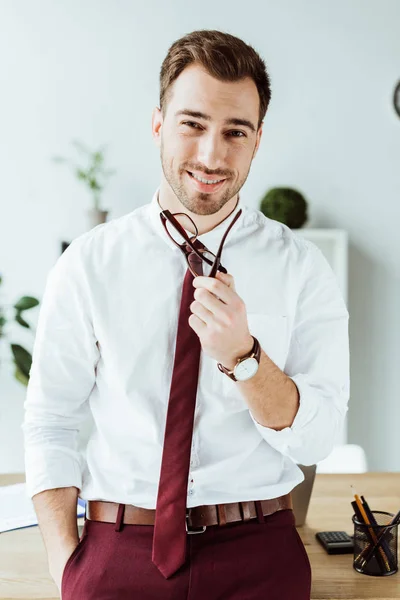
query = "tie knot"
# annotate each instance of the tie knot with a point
(196, 244)
(194, 260)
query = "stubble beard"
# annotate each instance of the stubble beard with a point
(198, 203)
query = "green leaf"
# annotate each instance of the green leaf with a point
(25, 303)
(22, 359)
(81, 174)
(94, 185)
(98, 158)
(3, 322)
(21, 321)
(20, 376)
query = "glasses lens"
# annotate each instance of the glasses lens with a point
(184, 222)
(201, 267)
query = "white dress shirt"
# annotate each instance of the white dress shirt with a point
(105, 342)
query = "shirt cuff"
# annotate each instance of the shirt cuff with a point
(50, 469)
(290, 437)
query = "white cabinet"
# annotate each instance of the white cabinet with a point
(333, 243)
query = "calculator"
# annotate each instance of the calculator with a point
(336, 542)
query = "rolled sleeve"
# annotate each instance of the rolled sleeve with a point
(318, 363)
(62, 375)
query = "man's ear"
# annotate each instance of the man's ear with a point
(258, 139)
(156, 125)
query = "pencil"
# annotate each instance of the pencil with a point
(369, 536)
(372, 520)
(366, 521)
(370, 549)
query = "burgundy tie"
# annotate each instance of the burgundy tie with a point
(169, 537)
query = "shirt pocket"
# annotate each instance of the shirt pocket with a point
(272, 331)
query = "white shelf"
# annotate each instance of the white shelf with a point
(333, 243)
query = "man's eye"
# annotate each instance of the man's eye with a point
(194, 125)
(191, 124)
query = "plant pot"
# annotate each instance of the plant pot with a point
(96, 217)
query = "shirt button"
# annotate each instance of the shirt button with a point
(191, 492)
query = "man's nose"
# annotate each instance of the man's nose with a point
(211, 152)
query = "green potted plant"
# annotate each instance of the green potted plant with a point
(93, 174)
(22, 359)
(285, 205)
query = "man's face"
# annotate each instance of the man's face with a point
(209, 131)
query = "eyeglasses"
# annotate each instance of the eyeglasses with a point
(191, 247)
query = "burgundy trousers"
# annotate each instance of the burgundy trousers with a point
(239, 561)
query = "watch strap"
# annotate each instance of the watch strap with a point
(255, 352)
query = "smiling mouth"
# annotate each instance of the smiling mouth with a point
(206, 185)
(206, 181)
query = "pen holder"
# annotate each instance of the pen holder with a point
(375, 545)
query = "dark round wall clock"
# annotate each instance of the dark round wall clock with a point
(396, 98)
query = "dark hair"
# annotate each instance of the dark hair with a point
(223, 56)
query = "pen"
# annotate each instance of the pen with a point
(373, 521)
(371, 532)
(369, 550)
(360, 519)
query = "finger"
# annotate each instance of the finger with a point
(202, 312)
(197, 324)
(216, 287)
(217, 310)
(227, 278)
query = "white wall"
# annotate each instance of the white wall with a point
(89, 69)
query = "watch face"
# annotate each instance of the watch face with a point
(246, 369)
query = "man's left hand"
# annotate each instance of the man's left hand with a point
(220, 319)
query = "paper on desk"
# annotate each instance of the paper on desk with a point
(17, 510)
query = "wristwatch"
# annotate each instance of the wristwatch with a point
(247, 366)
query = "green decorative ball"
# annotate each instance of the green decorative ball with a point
(285, 205)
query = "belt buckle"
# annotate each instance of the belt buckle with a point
(193, 531)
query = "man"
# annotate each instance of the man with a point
(210, 345)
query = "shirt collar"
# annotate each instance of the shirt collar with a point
(211, 238)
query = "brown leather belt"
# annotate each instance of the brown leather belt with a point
(198, 516)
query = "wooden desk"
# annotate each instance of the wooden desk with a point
(23, 562)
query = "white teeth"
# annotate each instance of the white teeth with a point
(205, 180)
